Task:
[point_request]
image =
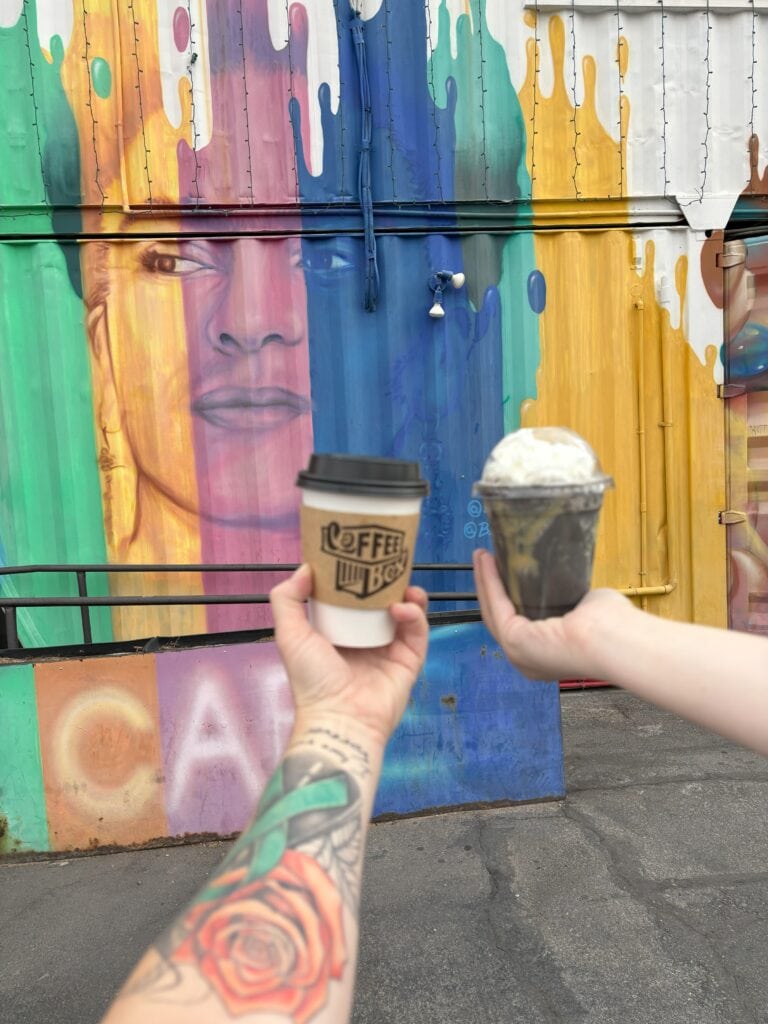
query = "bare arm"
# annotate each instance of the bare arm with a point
(272, 936)
(714, 677)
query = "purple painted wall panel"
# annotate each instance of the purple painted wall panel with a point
(225, 715)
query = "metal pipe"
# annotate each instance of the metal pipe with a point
(643, 468)
(11, 632)
(85, 616)
(666, 425)
(17, 570)
(178, 599)
(662, 588)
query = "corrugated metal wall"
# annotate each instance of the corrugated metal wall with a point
(189, 247)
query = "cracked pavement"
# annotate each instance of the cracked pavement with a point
(641, 898)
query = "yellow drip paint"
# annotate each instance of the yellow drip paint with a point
(599, 313)
(139, 528)
(602, 333)
(623, 56)
(576, 158)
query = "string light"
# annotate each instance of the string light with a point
(576, 132)
(435, 143)
(342, 129)
(753, 149)
(664, 122)
(192, 114)
(483, 91)
(535, 92)
(619, 31)
(139, 73)
(89, 104)
(249, 170)
(36, 120)
(705, 143)
(391, 133)
(291, 91)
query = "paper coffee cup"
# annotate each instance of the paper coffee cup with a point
(359, 521)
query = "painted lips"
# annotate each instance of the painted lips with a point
(237, 408)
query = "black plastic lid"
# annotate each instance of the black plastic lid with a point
(362, 474)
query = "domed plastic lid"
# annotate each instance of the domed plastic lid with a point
(362, 474)
(542, 457)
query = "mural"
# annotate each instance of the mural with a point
(124, 750)
(220, 224)
(195, 359)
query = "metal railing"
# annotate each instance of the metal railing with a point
(84, 601)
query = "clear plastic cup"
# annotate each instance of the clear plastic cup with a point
(544, 542)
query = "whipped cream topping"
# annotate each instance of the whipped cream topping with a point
(540, 456)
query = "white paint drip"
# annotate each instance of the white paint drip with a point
(54, 18)
(322, 63)
(10, 12)
(683, 95)
(512, 34)
(456, 8)
(177, 67)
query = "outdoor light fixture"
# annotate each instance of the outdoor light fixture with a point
(437, 284)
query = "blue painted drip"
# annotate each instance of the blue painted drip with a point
(412, 139)
(399, 383)
(365, 191)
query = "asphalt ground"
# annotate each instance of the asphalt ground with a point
(641, 898)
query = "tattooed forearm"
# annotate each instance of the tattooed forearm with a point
(267, 932)
(331, 742)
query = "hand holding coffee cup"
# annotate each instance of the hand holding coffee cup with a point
(543, 489)
(359, 521)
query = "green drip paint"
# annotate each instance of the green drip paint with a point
(50, 501)
(490, 164)
(519, 327)
(490, 128)
(101, 76)
(23, 823)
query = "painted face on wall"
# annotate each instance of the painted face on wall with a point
(207, 338)
(212, 334)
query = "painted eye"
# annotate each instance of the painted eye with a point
(325, 261)
(174, 266)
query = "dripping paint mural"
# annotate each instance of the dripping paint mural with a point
(216, 364)
(220, 212)
(220, 224)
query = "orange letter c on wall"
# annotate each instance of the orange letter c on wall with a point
(94, 743)
(100, 745)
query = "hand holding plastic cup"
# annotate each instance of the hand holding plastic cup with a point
(359, 521)
(543, 489)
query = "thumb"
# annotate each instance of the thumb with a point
(287, 602)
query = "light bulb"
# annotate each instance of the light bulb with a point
(437, 311)
(457, 280)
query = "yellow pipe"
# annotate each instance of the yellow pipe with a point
(643, 592)
(666, 424)
(643, 469)
(669, 453)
